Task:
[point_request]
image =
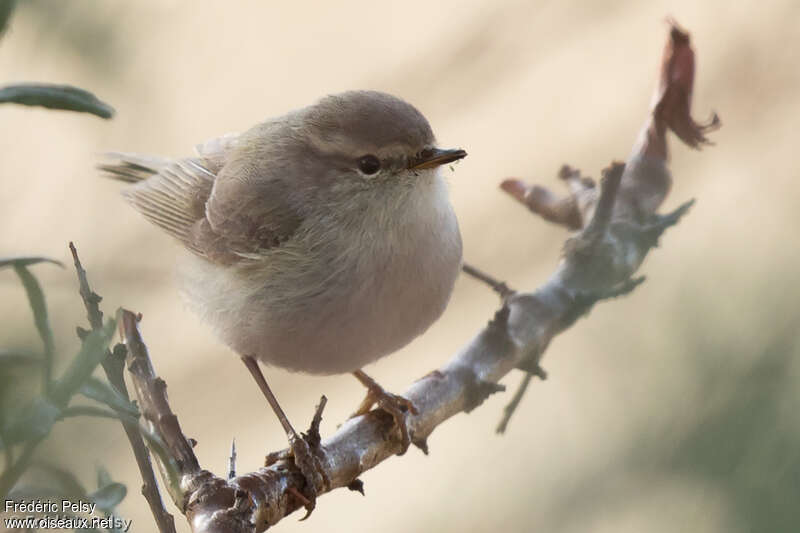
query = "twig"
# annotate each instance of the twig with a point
(152, 394)
(313, 435)
(91, 410)
(497, 286)
(91, 299)
(113, 366)
(509, 409)
(609, 186)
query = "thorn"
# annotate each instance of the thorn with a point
(514, 403)
(433, 374)
(532, 366)
(313, 437)
(499, 321)
(609, 185)
(119, 351)
(660, 223)
(584, 301)
(422, 444)
(356, 486)
(500, 287)
(479, 391)
(232, 460)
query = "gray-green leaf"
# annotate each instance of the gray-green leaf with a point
(109, 496)
(103, 477)
(39, 308)
(27, 261)
(104, 393)
(6, 8)
(83, 364)
(33, 421)
(65, 480)
(51, 96)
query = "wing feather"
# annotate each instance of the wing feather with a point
(170, 194)
(203, 202)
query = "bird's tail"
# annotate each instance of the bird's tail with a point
(131, 168)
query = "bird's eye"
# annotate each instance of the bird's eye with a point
(369, 164)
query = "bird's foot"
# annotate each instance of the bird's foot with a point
(307, 453)
(397, 406)
(307, 459)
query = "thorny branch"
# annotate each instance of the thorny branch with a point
(113, 365)
(617, 226)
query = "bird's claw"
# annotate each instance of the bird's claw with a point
(310, 466)
(397, 406)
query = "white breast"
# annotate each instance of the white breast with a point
(339, 295)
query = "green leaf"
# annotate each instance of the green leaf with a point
(39, 308)
(103, 477)
(6, 8)
(99, 412)
(108, 496)
(27, 261)
(33, 421)
(51, 96)
(93, 350)
(104, 393)
(65, 480)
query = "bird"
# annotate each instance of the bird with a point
(319, 241)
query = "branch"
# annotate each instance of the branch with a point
(113, 365)
(152, 394)
(500, 287)
(618, 226)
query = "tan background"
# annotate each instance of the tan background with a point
(674, 409)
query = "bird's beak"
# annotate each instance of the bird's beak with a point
(433, 157)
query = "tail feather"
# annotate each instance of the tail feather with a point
(169, 193)
(132, 168)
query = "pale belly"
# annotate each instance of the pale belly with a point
(339, 312)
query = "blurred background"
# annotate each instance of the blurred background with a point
(673, 409)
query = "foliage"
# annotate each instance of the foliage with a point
(23, 429)
(30, 425)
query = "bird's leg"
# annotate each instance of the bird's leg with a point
(395, 405)
(308, 464)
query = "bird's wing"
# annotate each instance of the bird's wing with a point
(249, 211)
(224, 221)
(171, 194)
